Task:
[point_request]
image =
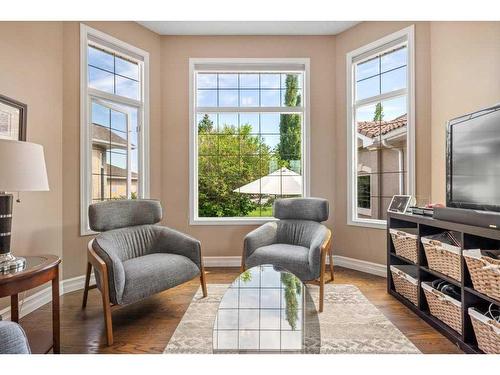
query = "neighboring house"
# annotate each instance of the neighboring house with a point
(109, 180)
(381, 170)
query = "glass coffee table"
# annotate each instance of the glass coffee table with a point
(266, 310)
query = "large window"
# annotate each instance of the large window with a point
(249, 141)
(380, 126)
(113, 122)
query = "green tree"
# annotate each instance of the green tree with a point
(289, 148)
(205, 125)
(379, 112)
(227, 160)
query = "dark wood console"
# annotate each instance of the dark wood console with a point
(471, 237)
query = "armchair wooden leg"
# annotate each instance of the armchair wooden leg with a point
(330, 260)
(86, 287)
(242, 268)
(100, 265)
(203, 281)
(322, 282)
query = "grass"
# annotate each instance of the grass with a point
(261, 212)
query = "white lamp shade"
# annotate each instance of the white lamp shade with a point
(22, 166)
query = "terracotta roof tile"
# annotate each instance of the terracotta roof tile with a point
(374, 129)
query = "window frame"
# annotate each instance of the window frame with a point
(239, 65)
(366, 52)
(88, 94)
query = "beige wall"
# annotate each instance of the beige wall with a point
(360, 242)
(465, 58)
(132, 33)
(228, 240)
(31, 72)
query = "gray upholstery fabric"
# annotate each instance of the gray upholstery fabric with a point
(290, 257)
(153, 273)
(294, 242)
(13, 339)
(315, 209)
(117, 246)
(104, 216)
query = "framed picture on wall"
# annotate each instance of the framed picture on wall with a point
(12, 119)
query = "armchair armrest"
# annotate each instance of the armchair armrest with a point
(320, 245)
(262, 236)
(174, 242)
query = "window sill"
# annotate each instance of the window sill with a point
(367, 223)
(231, 221)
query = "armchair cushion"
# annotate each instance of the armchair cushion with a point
(13, 339)
(315, 209)
(104, 216)
(290, 257)
(262, 236)
(153, 273)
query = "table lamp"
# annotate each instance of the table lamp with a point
(22, 168)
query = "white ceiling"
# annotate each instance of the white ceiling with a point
(248, 27)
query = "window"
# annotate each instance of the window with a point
(380, 122)
(248, 137)
(114, 121)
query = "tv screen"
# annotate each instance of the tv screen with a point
(474, 161)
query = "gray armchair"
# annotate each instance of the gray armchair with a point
(13, 339)
(133, 258)
(298, 242)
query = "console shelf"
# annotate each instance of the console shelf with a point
(471, 237)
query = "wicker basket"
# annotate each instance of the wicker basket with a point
(443, 258)
(484, 273)
(487, 332)
(405, 284)
(443, 307)
(405, 244)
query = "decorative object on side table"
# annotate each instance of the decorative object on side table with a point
(22, 168)
(12, 119)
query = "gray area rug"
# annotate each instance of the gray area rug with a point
(350, 324)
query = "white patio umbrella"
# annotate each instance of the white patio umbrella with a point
(281, 182)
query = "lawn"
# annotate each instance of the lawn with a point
(267, 211)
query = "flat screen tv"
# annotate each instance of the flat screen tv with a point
(473, 161)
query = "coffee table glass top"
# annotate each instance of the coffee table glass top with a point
(266, 310)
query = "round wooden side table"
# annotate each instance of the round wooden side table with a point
(39, 270)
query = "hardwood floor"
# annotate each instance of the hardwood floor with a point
(145, 327)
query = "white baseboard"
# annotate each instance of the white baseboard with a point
(44, 296)
(229, 261)
(351, 263)
(360, 265)
(37, 300)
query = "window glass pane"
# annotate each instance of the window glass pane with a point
(291, 98)
(118, 121)
(101, 80)
(250, 120)
(368, 69)
(249, 81)
(270, 98)
(270, 123)
(126, 68)
(394, 80)
(127, 87)
(100, 59)
(206, 81)
(228, 98)
(249, 98)
(100, 114)
(229, 81)
(270, 81)
(368, 87)
(207, 122)
(207, 98)
(394, 59)
(291, 76)
(228, 120)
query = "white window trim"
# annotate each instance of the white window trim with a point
(87, 33)
(407, 33)
(193, 152)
